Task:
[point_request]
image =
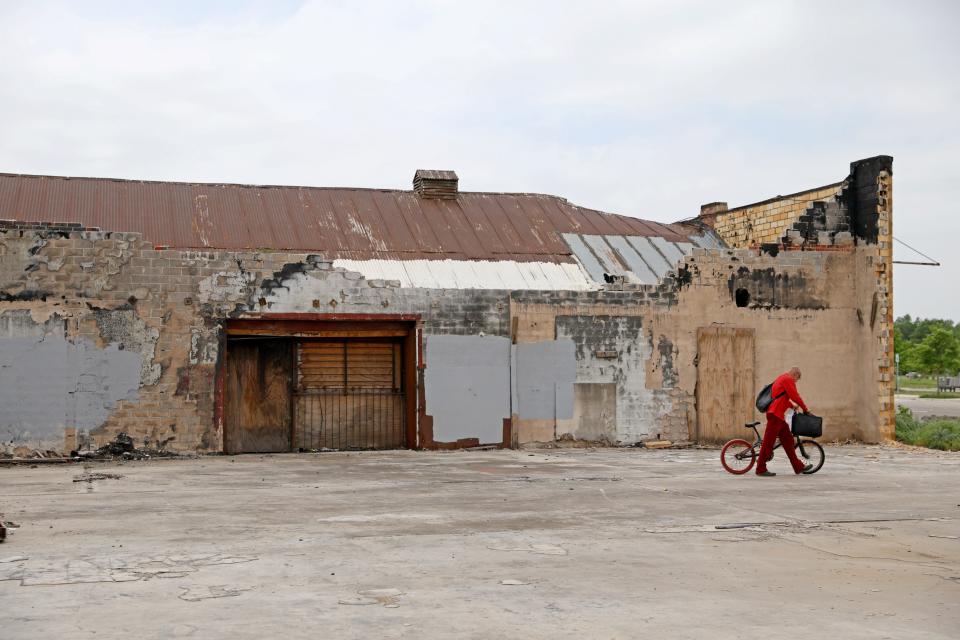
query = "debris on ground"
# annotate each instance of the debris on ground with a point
(122, 446)
(657, 444)
(6, 527)
(86, 476)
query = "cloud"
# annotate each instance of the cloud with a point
(647, 109)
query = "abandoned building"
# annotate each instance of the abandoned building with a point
(234, 318)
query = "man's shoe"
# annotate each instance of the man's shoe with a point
(766, 474)
(807, 468)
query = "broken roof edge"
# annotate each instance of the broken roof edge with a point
(787, 196)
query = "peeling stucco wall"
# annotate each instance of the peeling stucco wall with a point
(49, 382)
(614, 350)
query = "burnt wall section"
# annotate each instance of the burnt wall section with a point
(773, 288)
(866, 200)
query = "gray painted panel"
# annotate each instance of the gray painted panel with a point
(637, 266)
(545, 373)
(585, 256)
(606, 254)
(650, 255)
(48, 382)
(467, 386)
(685, 247)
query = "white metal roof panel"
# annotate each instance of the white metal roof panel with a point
(641, 272)
(474, 274)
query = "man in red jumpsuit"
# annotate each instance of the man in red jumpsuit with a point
(785, 396)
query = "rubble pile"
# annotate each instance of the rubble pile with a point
(122, 446)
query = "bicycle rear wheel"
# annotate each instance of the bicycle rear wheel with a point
(738, 456)
(811, 452)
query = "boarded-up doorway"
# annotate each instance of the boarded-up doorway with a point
(349, 394)
(303, 382)
(725, 383)
(258, 380)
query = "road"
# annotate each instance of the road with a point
(922, 407)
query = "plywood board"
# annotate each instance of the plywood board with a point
(257, 410)
(725, 382)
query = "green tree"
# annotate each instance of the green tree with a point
(939, 352)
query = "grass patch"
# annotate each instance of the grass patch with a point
(926, 382)
(934, 434)
(945, 394)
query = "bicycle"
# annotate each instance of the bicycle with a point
(738, 456)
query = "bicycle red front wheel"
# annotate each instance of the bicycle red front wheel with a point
(738, 456)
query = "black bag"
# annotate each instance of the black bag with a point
(807, 425)
(765, 398)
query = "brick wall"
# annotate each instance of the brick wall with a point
(768, 221)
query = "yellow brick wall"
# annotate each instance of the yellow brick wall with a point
(884, 272)
(767, 221)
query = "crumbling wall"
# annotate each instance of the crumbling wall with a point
(857, 211)
(871, 203)
(768, 221)
(807, 314)
(122, 302)
(49, 383)
(139, 329)
(613, 350)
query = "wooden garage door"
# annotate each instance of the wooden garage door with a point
(725, 383)
(349, 395)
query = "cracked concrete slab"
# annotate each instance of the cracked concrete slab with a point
(552, 543)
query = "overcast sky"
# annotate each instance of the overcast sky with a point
(643, 108)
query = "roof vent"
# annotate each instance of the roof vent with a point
(433, 183)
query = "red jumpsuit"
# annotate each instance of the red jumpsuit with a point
(777, 426)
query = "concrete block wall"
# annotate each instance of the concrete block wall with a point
(165, 309)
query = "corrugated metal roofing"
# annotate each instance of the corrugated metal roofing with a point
(351, 224)
(641, 260)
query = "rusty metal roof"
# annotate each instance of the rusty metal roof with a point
(358, 224)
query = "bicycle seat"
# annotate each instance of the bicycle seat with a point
(751, 425)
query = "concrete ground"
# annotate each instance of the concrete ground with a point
(923, 407)
(520, 544)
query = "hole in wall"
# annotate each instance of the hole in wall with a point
(742, 297)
